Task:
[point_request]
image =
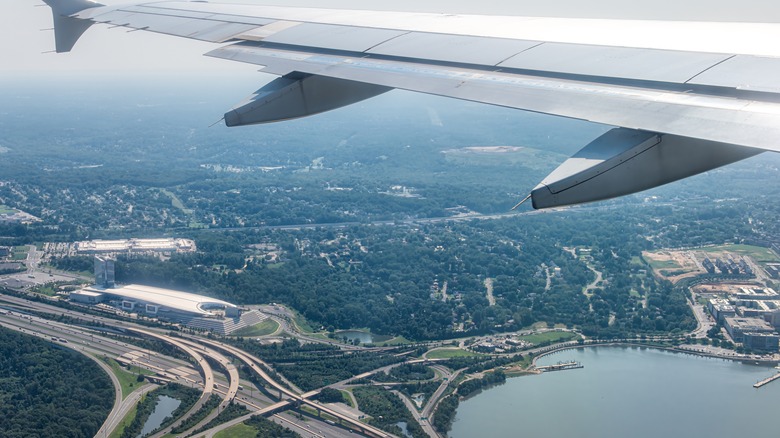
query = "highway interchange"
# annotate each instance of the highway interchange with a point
(210, 368)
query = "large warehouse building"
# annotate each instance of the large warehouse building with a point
(194, 311)
(125, 246)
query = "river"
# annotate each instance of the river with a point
(627, 392)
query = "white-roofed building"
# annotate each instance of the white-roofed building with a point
(164, 245)
(166, 300)
(195, 311)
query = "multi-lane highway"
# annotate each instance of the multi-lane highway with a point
(89, 341)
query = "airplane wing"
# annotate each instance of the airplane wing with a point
(685, 97)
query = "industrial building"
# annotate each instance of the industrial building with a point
(756, 293)
(761, 341)
(167, 303)
(192, 310)
(86, 297)
(773, 318)
(773, 269)
(758, 308)
(134, 246)
(738, 326)
(720, 309)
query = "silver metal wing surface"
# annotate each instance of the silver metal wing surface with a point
(685, 97)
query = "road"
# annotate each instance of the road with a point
(92, 341)
(116, 409)
(204, 346)
(430, 406)
(33, 258)
(703, 321)
(286, 319)
(431, 220)
(588, 290)
(423, 421)
(199, 348)
(233, 380)
(85, 340)
(255, 365)
(207, 373)
(489, 287)
(126, 405)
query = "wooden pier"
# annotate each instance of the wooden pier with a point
(560, 366)
(767, 380)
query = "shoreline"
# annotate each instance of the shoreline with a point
(531, 370)
(744, 360)
(603, 382)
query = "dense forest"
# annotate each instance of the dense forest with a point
(49, 391)
(392, 279)
(387, 411)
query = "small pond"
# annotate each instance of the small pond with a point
(164, 408)
(363, 337)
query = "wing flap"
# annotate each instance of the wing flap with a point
(614, 62)
(742, 72)
(328, 36)
(453, 48)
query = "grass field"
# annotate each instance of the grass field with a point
(663, 264)
(176, 202)
(398, 340)
(4, 209)
(302, 323)
(758, 253)
(538, 338)
(265, 328)
(19, 253)
(448, 353)
(347, 399)
(126, 379)
(238, 431)
(45, 289)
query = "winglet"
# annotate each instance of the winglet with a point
(68, 30)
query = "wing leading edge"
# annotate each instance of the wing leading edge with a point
(679, 113)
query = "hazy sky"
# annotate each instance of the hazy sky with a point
(114, 50)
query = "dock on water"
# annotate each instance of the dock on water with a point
(767, 380)
(560, 366)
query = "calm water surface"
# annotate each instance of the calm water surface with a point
(627, 392)
(363, 337)
(164, 408)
